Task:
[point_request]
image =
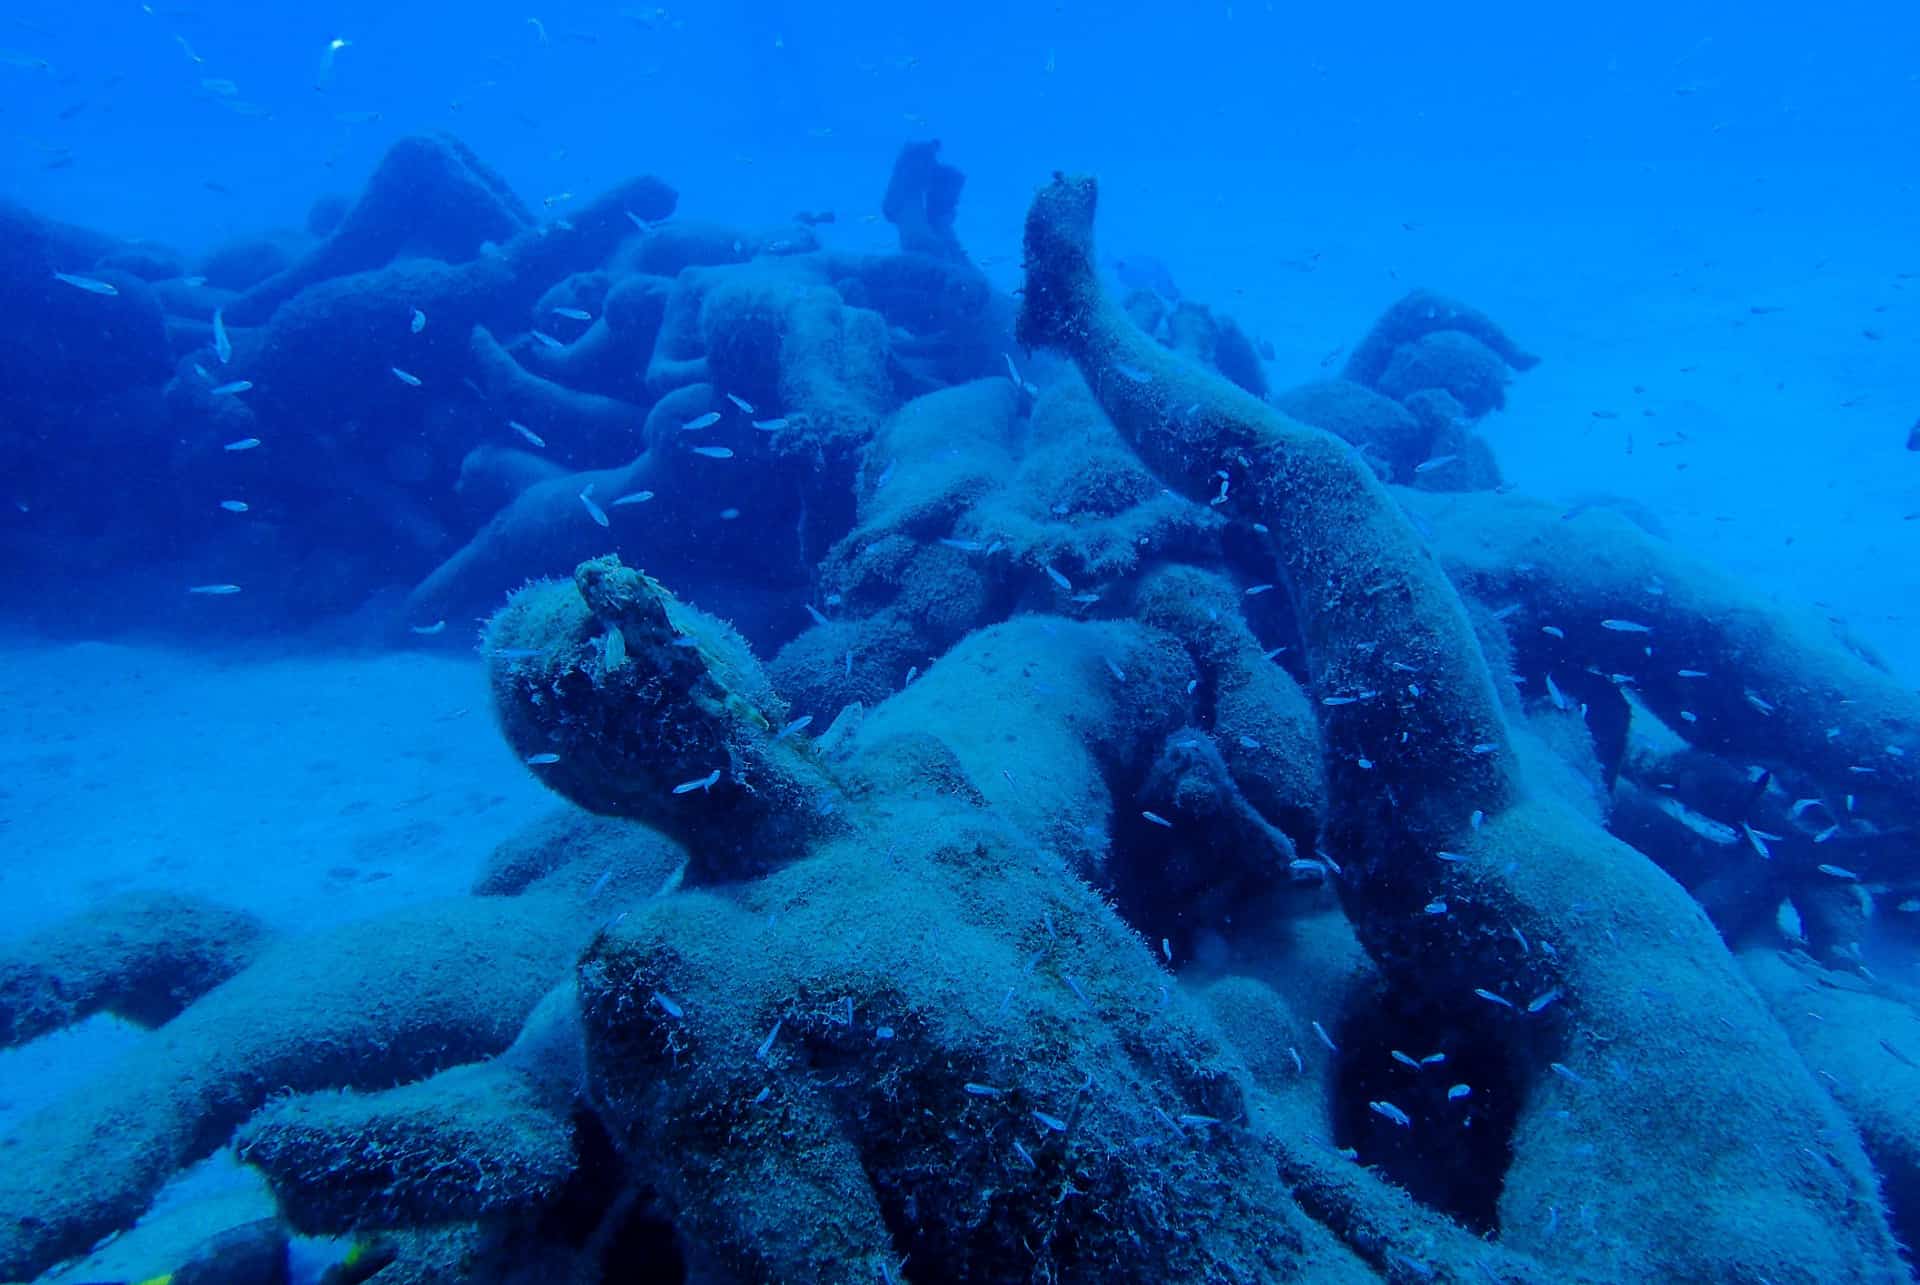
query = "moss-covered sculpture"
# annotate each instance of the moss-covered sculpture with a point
(1011, 922)
(1618, 1043)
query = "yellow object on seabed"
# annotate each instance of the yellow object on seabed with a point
(265, 1253)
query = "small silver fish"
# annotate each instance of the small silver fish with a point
(707, 420)
(1438, 461)
(573, 314)
(418, 322)
(702, 784)
(1704, 826)
(796, 726)
(234, 506)
(215, 590)
(90, 284)
(526, 432)
(632, 497)
(1058, 579)
(714, 452)
(427, 631)
(746, 407)
(1458, 1091)
(541, 760)
(1391, 1112)
(233, 389)
(547, 340)
(222, 344)
(405, 377)
(594, 511)
(1626, 626)
(244, 444)
(1133, 373)
(769, 425)
(1158, 820)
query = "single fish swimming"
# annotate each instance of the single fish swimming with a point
(1144, 272)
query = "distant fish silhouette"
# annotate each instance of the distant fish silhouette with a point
(1144, 272)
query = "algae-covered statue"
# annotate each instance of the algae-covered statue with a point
(1199, 837)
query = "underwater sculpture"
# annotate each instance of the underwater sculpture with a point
(1025, 965)
(337, 384)
(921, 1035)
(800, 352)
(1457, 862)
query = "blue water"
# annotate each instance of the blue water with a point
(1702, 217)
(1627, 183)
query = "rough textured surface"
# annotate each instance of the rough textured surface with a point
(1588, 1135)
(142, 956)
(393, 998)
(1172, 839)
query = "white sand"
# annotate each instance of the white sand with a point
(307, 790)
